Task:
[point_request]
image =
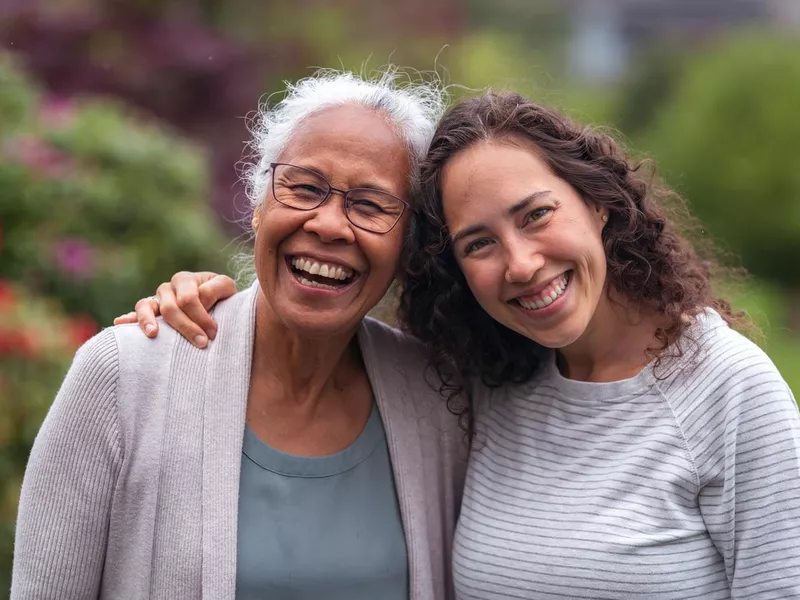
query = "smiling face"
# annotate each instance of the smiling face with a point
(319, 274)
(529, 247)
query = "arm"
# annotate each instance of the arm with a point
(65, 503)
(184, 303)
(751, 506)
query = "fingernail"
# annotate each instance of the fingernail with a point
(200, 341)
(149, 328)
(212, 334)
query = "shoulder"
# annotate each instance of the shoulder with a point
(724, 380)
(717, 359)
(389, 345)
(98, 354)
(115, 359)
(88, 399)
(131, 342)
(94, 371)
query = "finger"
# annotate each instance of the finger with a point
(146, 310)
(126, 318)
(214, 290)
(173, 311)
(187, 294)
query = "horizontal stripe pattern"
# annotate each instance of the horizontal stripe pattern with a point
(678, 483)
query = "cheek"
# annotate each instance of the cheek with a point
(383, 256)
(597, 255)
(481, 278)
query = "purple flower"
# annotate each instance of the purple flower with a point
(75, 257)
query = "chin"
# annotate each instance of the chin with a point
(321, 328)
(554, 338)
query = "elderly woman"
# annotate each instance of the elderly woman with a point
(301, 456)
(629, 443)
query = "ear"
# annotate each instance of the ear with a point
(602, 214)
(256, 220)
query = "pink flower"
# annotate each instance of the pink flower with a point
(57, 113)
(38, 155)
(75, 257)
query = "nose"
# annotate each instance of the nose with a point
(522, 262)
(330, 222)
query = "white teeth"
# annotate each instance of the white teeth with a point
(315, 284)
(547, 298)
(323, 270)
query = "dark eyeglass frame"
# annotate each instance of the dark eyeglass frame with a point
(345, 195)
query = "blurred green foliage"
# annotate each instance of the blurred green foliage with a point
(728, 141)
(768, 305)
(97, 204)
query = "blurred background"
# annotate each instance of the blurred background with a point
(121, 122)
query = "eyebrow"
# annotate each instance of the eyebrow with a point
(368, 186)
(377, 187)
(512, 210)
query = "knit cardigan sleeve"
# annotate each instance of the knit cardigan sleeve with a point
(66, 497)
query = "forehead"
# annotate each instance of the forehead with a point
(349, 138)
(490, 175)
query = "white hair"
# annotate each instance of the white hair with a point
(413, 108)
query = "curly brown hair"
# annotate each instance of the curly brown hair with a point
(650, 258)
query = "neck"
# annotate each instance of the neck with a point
(615, 344)
(298, 370)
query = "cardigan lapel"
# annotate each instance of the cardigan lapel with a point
(225, 403)
(405, 453)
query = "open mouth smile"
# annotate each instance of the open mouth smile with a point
(547, 296)
(321, 275)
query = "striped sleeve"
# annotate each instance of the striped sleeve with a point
(65, 501)
(743, 428)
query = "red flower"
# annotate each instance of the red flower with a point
(18, 342)
(7, 298)
(80, 329)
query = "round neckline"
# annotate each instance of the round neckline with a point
(592, 391)
(293, 465)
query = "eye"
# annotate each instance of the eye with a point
(537, 214)
(307, 188)
(367, 206)
(475, 246)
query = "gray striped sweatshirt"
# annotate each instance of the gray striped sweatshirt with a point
(678, 484)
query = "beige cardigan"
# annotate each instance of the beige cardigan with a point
(132, 486)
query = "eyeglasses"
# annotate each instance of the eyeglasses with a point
(366, 208)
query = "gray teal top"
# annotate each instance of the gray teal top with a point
(320, 527)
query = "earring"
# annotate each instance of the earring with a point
(605, 218)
